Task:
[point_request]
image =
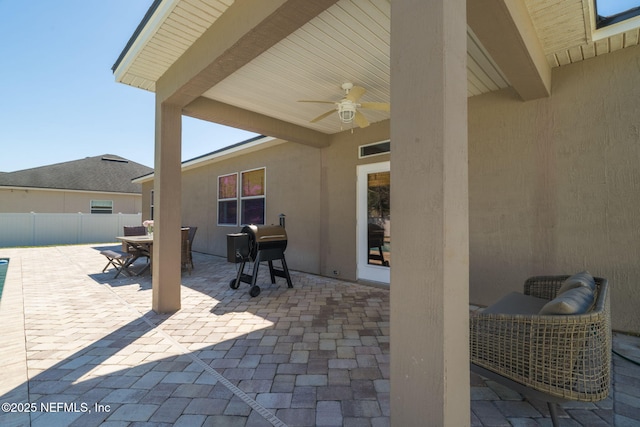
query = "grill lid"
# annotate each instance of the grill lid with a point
(266, 233)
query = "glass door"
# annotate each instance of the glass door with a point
(374, 222)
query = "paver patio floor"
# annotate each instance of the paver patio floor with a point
(82, 349)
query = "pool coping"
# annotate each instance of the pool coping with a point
(14, 385)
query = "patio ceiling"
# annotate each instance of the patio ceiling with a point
(349, 41)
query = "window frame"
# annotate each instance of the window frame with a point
(382, 153)
(226, 200)
(94, 208)
(242, 198)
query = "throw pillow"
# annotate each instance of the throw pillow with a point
(574, 301)
(583, 278)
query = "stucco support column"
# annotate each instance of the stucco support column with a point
(167, 208)
(429, 203)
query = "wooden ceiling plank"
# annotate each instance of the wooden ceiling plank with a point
(192, 16)
(186, 25)
(202, 8)
(318, 47)
(176, 25)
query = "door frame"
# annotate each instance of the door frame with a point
(364, 270)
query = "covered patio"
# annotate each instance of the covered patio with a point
(316, 355)
(514, 152)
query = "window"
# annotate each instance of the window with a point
(374, 149)
(252, 200)
(228, 199)
(102, 206)
(245, 197)
(609, 12)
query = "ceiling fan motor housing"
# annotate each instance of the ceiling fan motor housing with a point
(347, 87)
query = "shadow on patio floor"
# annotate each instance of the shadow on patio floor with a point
(317, 354)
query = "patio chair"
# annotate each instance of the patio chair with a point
(192, 235)
(552, 343)
(375, 238)
(134, 231)
(119, 260)
(185, 253)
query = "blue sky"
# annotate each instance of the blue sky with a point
(60, 101)
(611, 7)
(59, 98)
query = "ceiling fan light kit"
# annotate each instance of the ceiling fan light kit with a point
(348, 106)
(346, 111)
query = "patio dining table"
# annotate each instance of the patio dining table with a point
(144, 247)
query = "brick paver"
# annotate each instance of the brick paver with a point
(87, 349)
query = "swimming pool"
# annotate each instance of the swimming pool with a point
(4, 265)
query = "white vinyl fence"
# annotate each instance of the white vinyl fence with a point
(41, 229)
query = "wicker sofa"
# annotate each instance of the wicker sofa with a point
(550, 357)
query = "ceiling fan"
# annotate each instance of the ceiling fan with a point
(348, 106)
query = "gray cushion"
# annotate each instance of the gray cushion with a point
(516, 303)
(583, 278)
(574, 301)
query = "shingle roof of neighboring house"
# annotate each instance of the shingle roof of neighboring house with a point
(107, 173)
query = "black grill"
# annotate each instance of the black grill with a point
(258, 244)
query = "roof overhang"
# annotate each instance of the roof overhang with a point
(246, 64)
(256, 60)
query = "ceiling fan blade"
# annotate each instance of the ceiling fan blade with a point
(361, 120)
(382, 106)
(322, 116)
(319, 102)
(355, 93)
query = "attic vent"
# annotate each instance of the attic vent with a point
(375, 149)
(114, 159)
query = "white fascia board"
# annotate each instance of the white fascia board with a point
(150, 29)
